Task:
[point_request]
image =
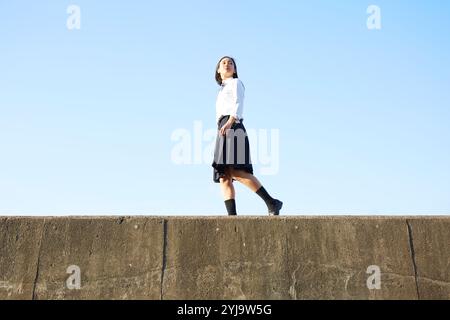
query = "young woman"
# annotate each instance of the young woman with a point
(232, 151)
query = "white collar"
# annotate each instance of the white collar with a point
(224, 82)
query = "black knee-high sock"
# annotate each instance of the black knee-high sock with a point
(265, 196)
(230, 204)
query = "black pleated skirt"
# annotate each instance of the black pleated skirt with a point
(231, 150)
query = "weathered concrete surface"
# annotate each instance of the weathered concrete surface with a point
(19, 254)
(431, 244)
(225, 257)
(287, 258)
(119, 258)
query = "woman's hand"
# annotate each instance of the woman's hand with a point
(226, 126)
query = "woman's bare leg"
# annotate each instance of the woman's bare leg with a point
(246, 178)
(226, 184)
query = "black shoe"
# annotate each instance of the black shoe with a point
(276, 207)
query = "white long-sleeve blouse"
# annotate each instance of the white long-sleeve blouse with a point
(230, 99)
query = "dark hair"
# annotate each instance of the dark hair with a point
(217, 75)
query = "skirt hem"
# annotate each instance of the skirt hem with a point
(219, 170)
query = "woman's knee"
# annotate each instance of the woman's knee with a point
(226, 180)
(235, 174)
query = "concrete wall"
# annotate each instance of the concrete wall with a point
(225, 257)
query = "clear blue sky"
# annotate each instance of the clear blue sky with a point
(86, 116)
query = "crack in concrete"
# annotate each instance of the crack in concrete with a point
(36, 276)
(347, 279)
(413, 256)
(292, 289)
(163, 267)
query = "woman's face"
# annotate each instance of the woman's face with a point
(226, 68)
